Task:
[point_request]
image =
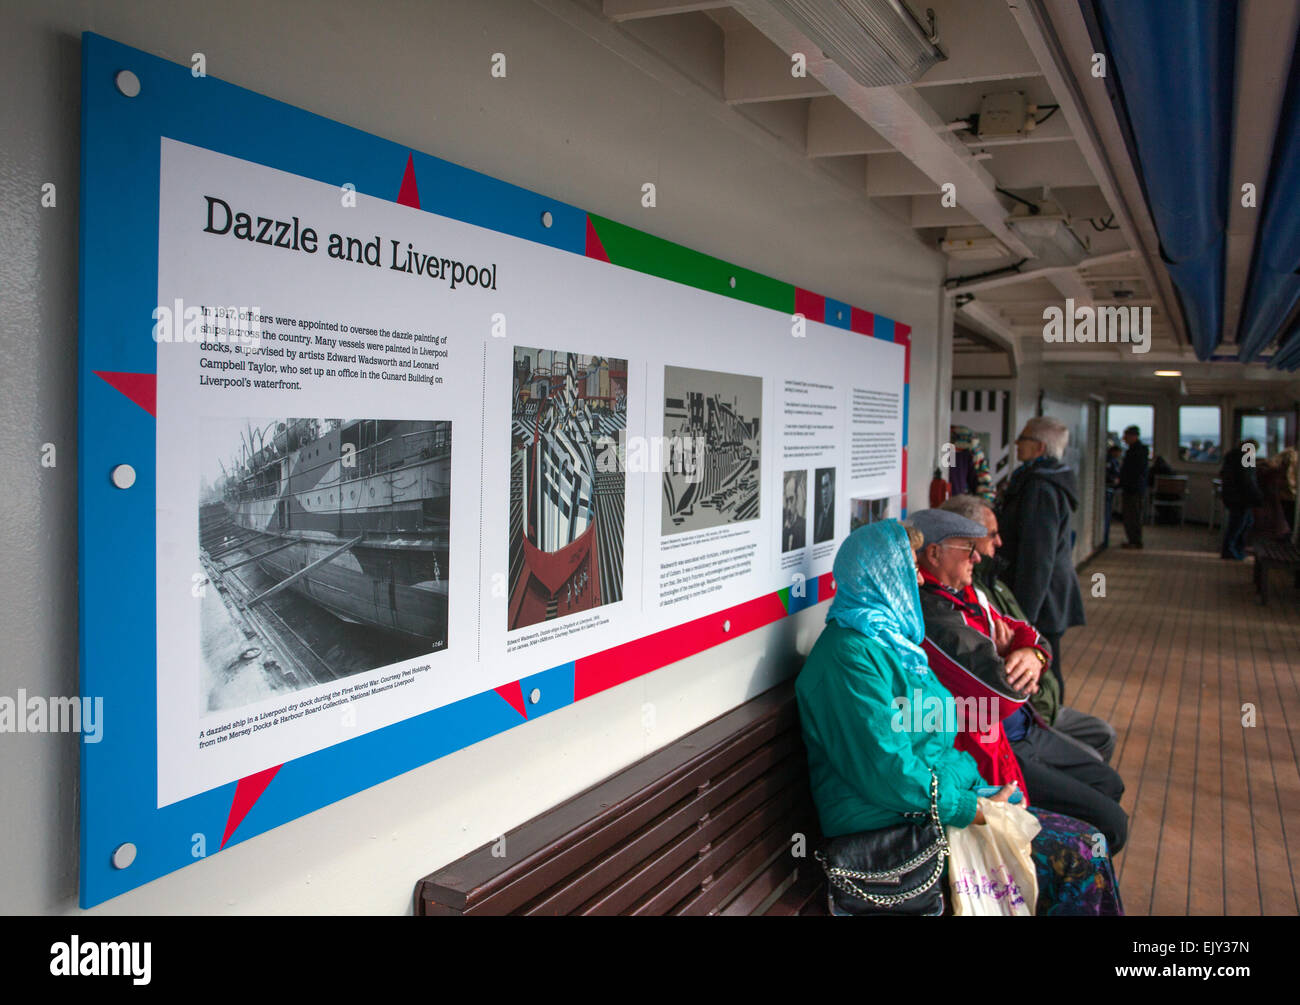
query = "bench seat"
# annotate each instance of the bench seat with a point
(704, 826)
(1271, 554)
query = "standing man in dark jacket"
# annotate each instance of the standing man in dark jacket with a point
(1241, 494)
(1113, 455)
(1133, 485)
(1034, 518)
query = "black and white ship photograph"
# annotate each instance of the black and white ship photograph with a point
(324, 545)
(716, 481)
(567, 487)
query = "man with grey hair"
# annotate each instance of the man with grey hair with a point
(1037, 543)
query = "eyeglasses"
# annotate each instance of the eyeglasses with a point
(1029, 439)
(961, 547)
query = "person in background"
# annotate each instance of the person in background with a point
(1287, 460)
(1241, 495)
(1034, 518)
(1272, 516)
(1133, 486)
(1113, 455)
(867, 774)
(970, 470)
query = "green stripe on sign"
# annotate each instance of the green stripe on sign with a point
(635, 249)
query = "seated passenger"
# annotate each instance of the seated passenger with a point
(966, 662)
(865, 773)
(1097, 734)
(965, 638)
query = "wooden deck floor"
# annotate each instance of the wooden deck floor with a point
(1170, 655)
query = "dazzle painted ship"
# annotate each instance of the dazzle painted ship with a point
(566, 510)
(723, 476)
(352, 514)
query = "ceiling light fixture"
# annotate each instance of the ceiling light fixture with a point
(1169, 373)
(879, 43)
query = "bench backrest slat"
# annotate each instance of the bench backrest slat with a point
(681, 820)
(703, 825)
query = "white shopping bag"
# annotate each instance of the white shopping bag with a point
(991, 870)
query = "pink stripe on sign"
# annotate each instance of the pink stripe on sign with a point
(247, 792)
(862, 322)
(409, 193)
(513, 693)
(603, 670)
(811, 305)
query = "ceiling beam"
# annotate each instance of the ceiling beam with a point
(834, 131)
(633, 10)
(903, 118)
(581, 17)
(756, 70)
(980, 43)
(989, 323)
(1069, 284)
(895, 174)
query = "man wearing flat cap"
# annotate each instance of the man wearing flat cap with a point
(977, 652)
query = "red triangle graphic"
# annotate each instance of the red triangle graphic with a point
(594, 248)
(142, 388)
(514, 694)
(247, 792)
(409, 194)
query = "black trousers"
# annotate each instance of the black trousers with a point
(1132, 508)
(1066, 776)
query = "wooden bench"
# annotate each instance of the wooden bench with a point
(705, 826)
(1274, 555)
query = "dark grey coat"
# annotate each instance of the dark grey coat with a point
(1034, 520)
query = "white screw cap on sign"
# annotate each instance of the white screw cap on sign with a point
(127, 82)
(123, 855)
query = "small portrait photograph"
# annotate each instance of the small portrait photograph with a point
(794, 510)
(824, 505)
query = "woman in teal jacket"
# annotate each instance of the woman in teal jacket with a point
(866, 772)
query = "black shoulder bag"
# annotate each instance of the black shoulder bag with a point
(892, 871)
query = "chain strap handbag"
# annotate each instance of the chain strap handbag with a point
(892, 871)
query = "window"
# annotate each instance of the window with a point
(1199, 438)
(1120, 417)
(1273, 431)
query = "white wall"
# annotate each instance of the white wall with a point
(571, 120)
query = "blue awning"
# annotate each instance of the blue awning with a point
(1170, 76)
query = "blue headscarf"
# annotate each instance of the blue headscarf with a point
(876, 592)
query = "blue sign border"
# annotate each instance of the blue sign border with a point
(120, 171)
